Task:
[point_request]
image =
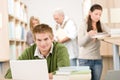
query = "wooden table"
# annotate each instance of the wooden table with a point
(62, 77)
(115, 45)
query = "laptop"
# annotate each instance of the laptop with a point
(29, 69)
(113, 75)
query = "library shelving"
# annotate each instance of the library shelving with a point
(13, 29)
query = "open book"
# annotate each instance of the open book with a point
(101, 35)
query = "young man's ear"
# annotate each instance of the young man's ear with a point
(53, 39)
(34, 38)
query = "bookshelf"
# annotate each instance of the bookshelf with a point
(17, 26)
(13, 29)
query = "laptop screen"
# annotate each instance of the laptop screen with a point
(29, 69)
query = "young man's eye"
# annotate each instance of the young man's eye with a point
(39, 40)
(46, 39)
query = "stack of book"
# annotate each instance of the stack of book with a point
(73, 73)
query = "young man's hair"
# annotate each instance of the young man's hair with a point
(42, 28)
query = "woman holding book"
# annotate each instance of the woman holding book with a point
(90, 56)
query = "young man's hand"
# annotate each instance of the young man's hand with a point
(50, 76)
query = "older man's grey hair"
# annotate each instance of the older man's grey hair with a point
(59, 12)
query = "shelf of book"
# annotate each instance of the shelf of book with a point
(13, 29)
(17, 19)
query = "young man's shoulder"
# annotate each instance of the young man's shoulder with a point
(57, 44)
(32, 47)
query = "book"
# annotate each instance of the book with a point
(12, 52)
(101, 35)
(11, 30)
(73, 70)
(11, 7)
(18, 31)
(73, 77)
(73, 73)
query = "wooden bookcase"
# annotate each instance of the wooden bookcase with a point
(13, 29)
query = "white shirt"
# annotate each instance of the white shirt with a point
(37, 52)
(70, 30)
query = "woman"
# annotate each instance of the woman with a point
(33, 22)
(90, 55)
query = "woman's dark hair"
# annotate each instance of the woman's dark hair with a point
(89, 21)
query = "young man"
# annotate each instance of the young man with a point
(55, 53)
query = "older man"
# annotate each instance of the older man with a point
(66, 33)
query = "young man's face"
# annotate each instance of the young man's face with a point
(44, 42)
